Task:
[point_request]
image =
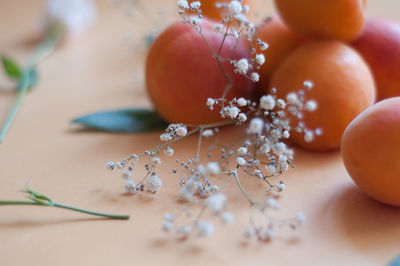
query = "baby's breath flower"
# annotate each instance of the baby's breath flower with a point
(310, 106)
(260, 59)
(256, 125)
(126, 174)
(308, 135)
(218, 28)
(318, 132)
(227, 218)
(233, 112)
(242, 66)
(216, 202)
(204, 229)
(165, 137)
(110, 165)
(282, 159)
(155, 161)
(235, 7)
(235, 33)
(183, 4)
(185, 194)
(185, 230)
(300, 218)
(263, 45)
(246, 9)
(255, 77)
(271, 202)
(291, 98)
(265, 148)
(308, 84)
(153, 183)
(242, 151)
(279, 148)
(213, 168)
(196, 21)
(242, 102)
(169, 151)
(130, 187)
(214, 188)
(169, 217)
(268, 235)
(249, 232)
(267, 102)
(280, 187)
(280, 103)
(242, 117)
(241, 161)
(270, 170)
(210, 102)
(167, 226)
(241, 18)
(208, 133)
(181, 131)
(286, 134)
(72, 17)
(195, 5)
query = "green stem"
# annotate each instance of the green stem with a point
(63, 206)
(43, 50)
(101, 214)
(12, 114)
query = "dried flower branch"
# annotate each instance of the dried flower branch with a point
(260, 153)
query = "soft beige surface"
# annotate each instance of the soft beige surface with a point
(96, 72)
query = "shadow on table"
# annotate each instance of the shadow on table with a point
(366, 223)
(36, 223)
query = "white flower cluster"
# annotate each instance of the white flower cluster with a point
(261, 152)
(173, 131)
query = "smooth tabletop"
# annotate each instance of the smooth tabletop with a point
(103, 70)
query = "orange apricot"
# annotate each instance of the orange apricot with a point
(371, 151)
(181, 72)
(324, 19)
(379, 44)
(343, 87)
(281, 42)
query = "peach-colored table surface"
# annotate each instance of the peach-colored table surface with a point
(102, 70)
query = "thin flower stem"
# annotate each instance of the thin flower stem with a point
(59, 205)
(199, 143)
(12, 114)
(43, 50)
(244, 192)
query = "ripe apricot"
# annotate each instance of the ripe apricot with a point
(281, 42)
(210, 10)
(181, 72)
(371, 151)
(343, 88)
(324, 19)
(379, 44)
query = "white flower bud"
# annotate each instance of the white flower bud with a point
(235, 7)
(256, 125)
(153, 183)
(267, 102)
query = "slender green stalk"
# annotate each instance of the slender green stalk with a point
(38, 199)
(43, 50)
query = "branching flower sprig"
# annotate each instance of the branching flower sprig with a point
(261, 153)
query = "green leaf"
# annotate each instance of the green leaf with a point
(395, 262)
(11, 68)
(125, 120)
